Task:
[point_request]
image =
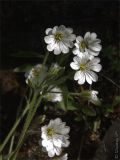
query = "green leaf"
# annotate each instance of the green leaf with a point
(110, 109)
(89, 111)
(27, 54)
(71, 106)
(116, 101)
(23, 68)
(79, 118)
(61, 105)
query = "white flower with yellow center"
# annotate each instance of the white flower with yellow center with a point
(54, 95)
(55, 136)
(89, 44)
(59, 39)
(86, 69)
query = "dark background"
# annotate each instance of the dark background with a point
(23, 23)
(22, 29)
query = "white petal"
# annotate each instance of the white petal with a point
(88, 78)
(51, 123)
(49, 145)
(74, 66)
(77, 60)
(70, 30)
(64, 48)
(93, 76)
(93, 36)
(57, 121)
(62, 28)
(43, 129)
(76, 51)
(96, 68)
(81, 79)
(45, 143)
(87, 35)
(66, 143)
(79, 39)
(58, 150)
(68, 43)
(77, 45)
(95, 60)
(72, 37)
(65, 130)
(57, 143)
(57, 50)
(51, 46)
(91, 52)
(49, 39)
(95, 47)
(54, 29)
(43, 135)
(48, 30)
(71, 44)
(64, 157)
(51, 153)
(80, 76)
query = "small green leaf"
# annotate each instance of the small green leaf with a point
(23, 68)
(89, 111)
(78, 119)
(61, 105)
(27, 54)
(71, 106)
(116, 101)
(109, 108)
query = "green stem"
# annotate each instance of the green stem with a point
(14, 128)
(11, 145)
(29, 118)
(45, 59)
(110, 80)
(80, 149)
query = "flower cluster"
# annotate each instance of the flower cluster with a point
(55, 137)
(60, 39)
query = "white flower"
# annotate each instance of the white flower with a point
(55, 68)
(85, 69)
(89, 44)
(54, 94)
(55, 136)
(59, 39)
(36, 75)
(93, 95)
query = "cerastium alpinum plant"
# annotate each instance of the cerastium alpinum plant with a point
(47, 82)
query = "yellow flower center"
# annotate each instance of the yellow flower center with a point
(58, 36)
(83, 67)
(50, 132)
(83, 45)
(36, 72)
